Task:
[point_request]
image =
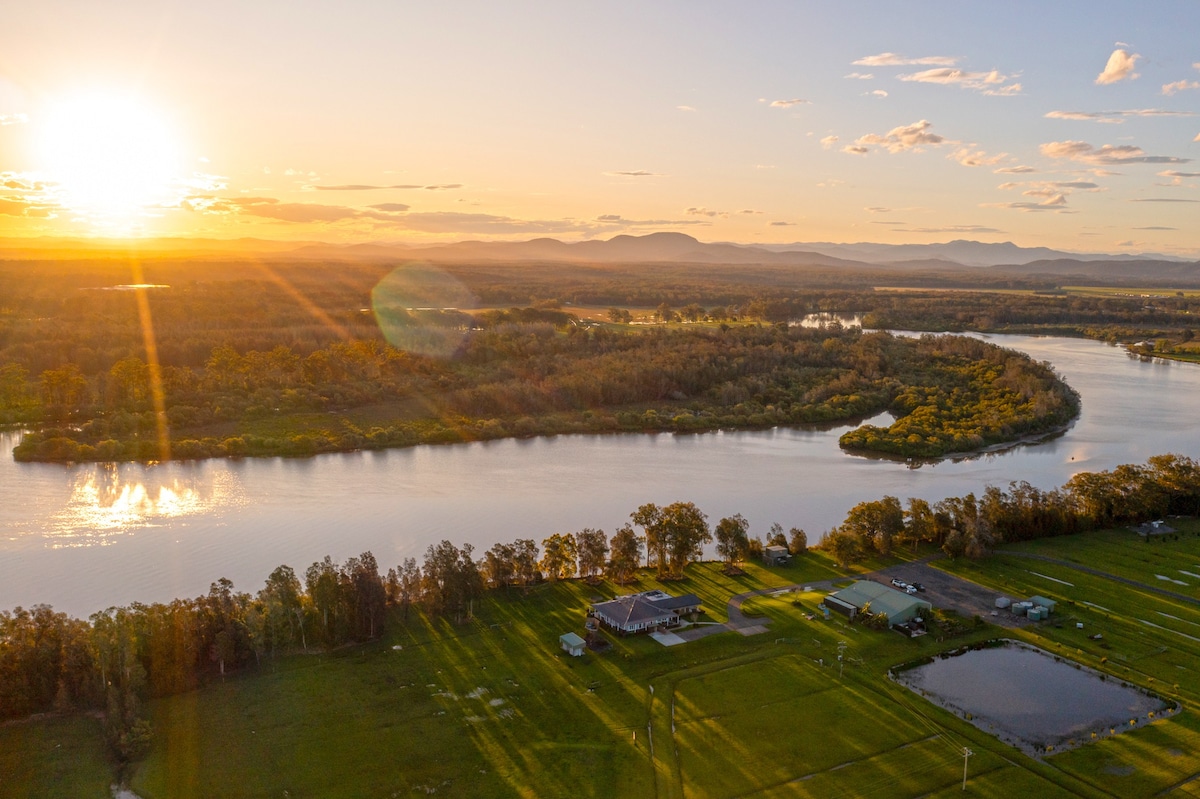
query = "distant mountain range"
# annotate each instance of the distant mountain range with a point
(949, 257)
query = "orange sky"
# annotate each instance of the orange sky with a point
(1073, 126)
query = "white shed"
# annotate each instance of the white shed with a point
(572, 644)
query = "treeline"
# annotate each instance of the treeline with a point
(519, 378)
(123, 656)
(973, 526)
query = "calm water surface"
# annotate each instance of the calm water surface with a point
(1025, 695)
(86, 537)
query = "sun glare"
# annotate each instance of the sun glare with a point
(111, 158)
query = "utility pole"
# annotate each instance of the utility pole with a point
(966, 754)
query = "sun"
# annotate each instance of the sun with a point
(110, 157)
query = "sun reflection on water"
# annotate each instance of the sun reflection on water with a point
(107, 502)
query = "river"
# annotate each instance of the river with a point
(85, 537)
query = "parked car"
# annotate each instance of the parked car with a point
(896, 581)
(918, 586)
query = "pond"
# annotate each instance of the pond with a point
(1032, 699)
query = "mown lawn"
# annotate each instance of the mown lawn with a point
(494, 708)
(54, 758)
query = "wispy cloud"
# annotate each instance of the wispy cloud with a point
(859, 76)
(961, 229)
(783, 224)
(829, 141)
(1119, 67)
(1163, 200)
(1115, 117)
(1055, 202)
(896, 60)
(880, 93)
(1171, 173)
(788, 103)
(391, 208)
(706, 212)
(901, 139)
(636, 173)
(1156, 227)
(979, 81)
(369, 187)
(1179, 86)
(968, 157)
(26, 208)
(1013, 170)
(685, 108)
(1106, 155)
(13, 119)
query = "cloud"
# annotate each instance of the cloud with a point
(1163, 200)
(706, 212)
(1156, 227)
(391, 208)
(637, 173)
(13, 119)
(1013, 170)
(1054, 203)
(11, 207)
(783, 224)
(1105, 155)
(1005, 91)
(1115, 117)
(971, 229)
(1119, 67)
(1171, 173)
(616, 219)
(895, 60)
(957, 77)
(877, 209)
(900, 139)
(750, 211)
(859, 76)
(1179, 86)
(368, 187)
(788, 103)
(968, 157)
(829, 141)
(856, 149)
(879, 93)
(684, 108)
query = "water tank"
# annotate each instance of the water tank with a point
(1003, 602)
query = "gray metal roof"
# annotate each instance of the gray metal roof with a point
(883, 599)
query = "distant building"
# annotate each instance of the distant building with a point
(896, 606)
(643, 612)
(572, 644)
(776, 555)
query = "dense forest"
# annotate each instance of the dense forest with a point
(121, 657)
(313, 359)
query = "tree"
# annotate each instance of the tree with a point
(918, 523)
(280, 600)
(365, 594)
(675, 536)
(321, 580)
(626, 550)
(525, 561)
(593, 548)
(558, 556)
(797, 541)
(842, 545)
(776, 537)
(451, 579)
(732, 541)
(875, 524)
(497, 566)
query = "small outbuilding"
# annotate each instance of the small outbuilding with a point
(776, 555)
(572, 644)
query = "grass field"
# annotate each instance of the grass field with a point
(494, 708)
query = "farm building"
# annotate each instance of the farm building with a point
(897, 606)
(643, 612)
(572, 644)
(776, 555)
